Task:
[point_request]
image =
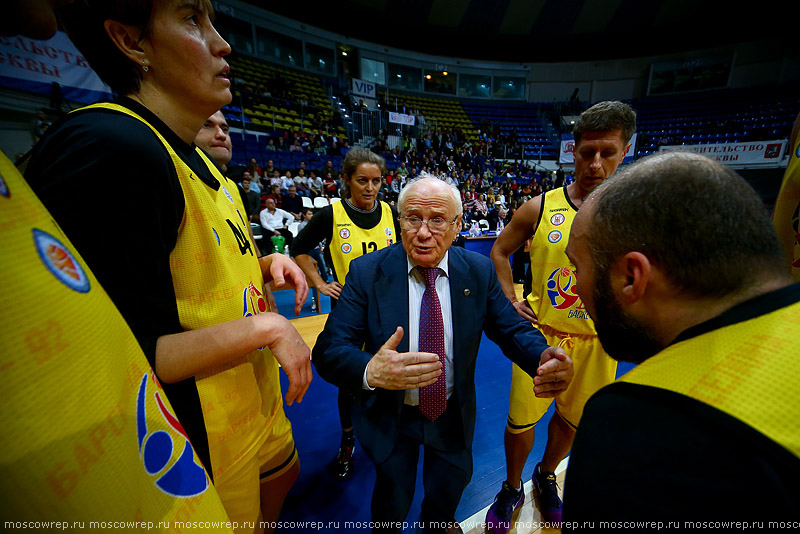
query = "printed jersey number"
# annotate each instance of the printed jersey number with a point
(241, 238)
(368, 247)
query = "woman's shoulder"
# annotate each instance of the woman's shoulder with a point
(105, 133)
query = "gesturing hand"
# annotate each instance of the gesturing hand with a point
(554, 373)
(390, 369)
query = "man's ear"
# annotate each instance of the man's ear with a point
(634, 269)
(127, 39)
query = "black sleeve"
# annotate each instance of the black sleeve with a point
(319, 228)
(648, 454)
(113, 189)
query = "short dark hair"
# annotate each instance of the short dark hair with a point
(83, 21)
(355, 157)
(606, 117)
(695, 218)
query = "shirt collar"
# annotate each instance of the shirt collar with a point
(442, 264)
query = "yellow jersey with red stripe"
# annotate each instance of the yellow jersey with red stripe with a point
(217, 278)
(787, 211)
(88, 435)
(553, 298)
(349, 241)
(748, 370)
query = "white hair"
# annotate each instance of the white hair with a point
(452, 190)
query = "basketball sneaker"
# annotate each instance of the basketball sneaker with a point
(544, 484)
(508, 501)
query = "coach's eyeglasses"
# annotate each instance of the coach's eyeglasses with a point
(437, 225)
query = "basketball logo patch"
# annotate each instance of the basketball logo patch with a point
(157, 448)
(554, 236)
(60, 261)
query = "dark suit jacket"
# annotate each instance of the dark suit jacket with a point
(374, 302)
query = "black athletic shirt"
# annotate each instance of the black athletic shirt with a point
(112, 187)
(649, 454)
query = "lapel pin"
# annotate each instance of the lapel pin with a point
(466, 292)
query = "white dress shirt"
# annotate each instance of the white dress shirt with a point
(416, 288)
(274, 221)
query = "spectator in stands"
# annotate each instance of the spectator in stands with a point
(331, 189)
(274, 221)
(253, 186)
(498, 219)
(270, 146)
(253, 204)
(281, 147)
(329, 168)
(275, 179)
(301, 183)
(315, 184)
(287, 181)
(292, 202)
(481, 207)
(276, 195)
(255, 170)
(295, 147)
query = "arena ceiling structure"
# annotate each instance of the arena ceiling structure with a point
(545, 30)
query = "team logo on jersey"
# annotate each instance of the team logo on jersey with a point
(253, 302)
(227, 194)
(557, 219)
(561, 289)
(346, 248)
(554, 236)
(344, 233)
(185, 477)
(388, 232)
(389, 242)
(60, 261)
(4, 188)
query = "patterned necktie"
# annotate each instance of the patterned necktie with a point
(432, 398)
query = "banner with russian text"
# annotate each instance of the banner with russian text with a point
(747, 153)
(34, 66)
(400, 118)
(568, 149)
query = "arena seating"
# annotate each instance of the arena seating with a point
(725, 116)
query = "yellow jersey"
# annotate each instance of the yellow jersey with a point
(217, 278)
(747, 369)
(349, 241)
(88, 436)
(553, 298)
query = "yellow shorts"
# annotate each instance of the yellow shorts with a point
(239, 488)
(593, 370)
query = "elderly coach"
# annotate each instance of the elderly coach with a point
(403, 340)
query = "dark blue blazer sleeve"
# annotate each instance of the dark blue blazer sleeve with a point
(338, 354)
